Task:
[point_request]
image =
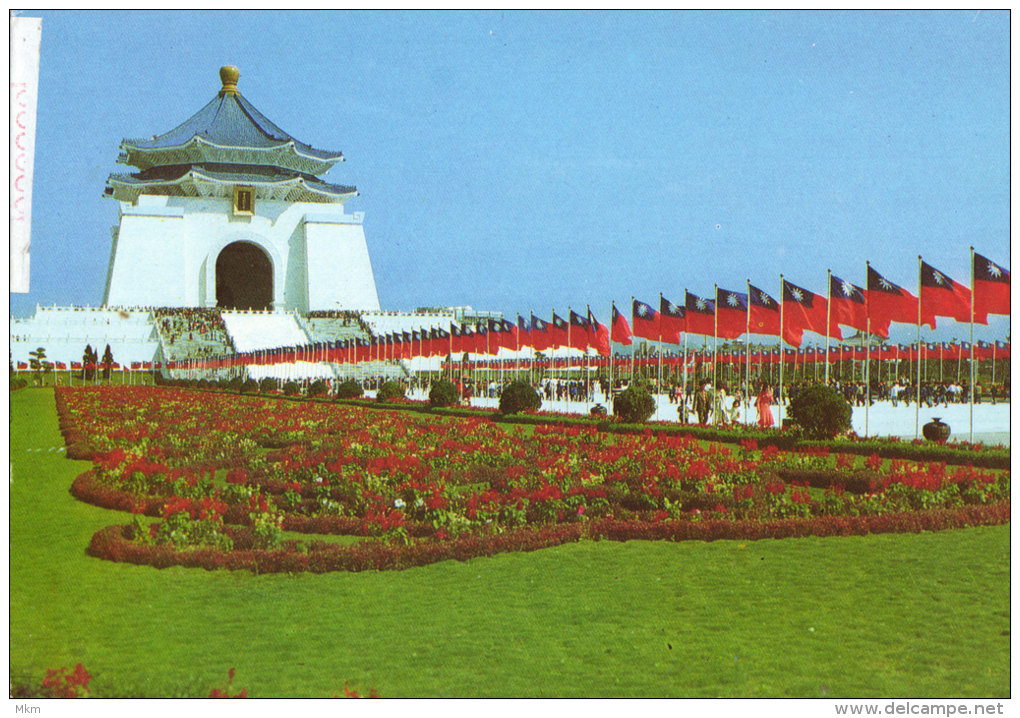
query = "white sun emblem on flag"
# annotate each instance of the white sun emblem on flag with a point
(939, 277)
(642, 310)
(993, 270)
(797, 295)
(847, 288)
(763, 298)
(885, 283)
(701, 303)
(671, 308)
(732, 300)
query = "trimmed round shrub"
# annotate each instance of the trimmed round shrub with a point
(318, 387)
(249, 386)
(291, 388)
(519, 396)
(598, 410)
(268, 384)
(390, 390)
(634, 405)
(820, 412)
(349, 389)
(444, 393)
(236, 383)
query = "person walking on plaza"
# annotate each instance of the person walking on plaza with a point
(702, 403)
(764, 406)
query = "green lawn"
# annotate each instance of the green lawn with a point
(889, 615)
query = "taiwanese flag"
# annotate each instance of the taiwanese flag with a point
(731, 313)
(802, 310)
(579, 331)
(509, 333)
(442, 342)
(77, 364)
(942, 297)
(557, 331)
(991, 289)
(540, 339)
(983, 350)
(407, 346)
(522, 332)
(645, 321)
(888, 302)
(134, 365)
(62, 365)
(672, 320)
(764, 311)
(700, 315)
(1001, 350)
(847, 306)
(482, 340)
(499, 336)
(621, 330)
(598, 335)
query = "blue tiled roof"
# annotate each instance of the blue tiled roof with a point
(229, 174)
(230, 121)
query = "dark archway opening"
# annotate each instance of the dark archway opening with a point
(244, 277)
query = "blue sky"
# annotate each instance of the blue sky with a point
(527, 161)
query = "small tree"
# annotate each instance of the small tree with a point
(269, 384)
(634, 405)
(36, 361)
(107, 362)
(318, 388)
(291, 388)
(444, 393)
(519, 396)
(88, 363)
(390, 390)
(249, 386)
(349, 389)
(820, 412)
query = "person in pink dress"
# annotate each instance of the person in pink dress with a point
(764, 405)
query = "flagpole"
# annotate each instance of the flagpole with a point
(782, 317)
(828, 321)
(658, 353)
(867, 374)
(747, 351)
(917, 406)
(632, 348)
(612, 317)
(715, 345)
(972, 290)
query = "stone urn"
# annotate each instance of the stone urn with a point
(935, 430)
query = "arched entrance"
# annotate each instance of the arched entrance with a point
(244, 277)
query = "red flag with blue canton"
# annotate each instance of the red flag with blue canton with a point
(598, 336)
(731, 313)
(888, 302)
(802, 310)
(672, 321)
(847, 305)
(991, 289)
(579, 329)
(540, 339)
(558, 331)
(942, 297)
(764, 311)
(621, 329)
(645, 321)
(700, 314)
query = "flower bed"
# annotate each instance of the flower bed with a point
(431, 487)
(114, 543)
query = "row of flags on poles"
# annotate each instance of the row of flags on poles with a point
(728, 315)
(933, 351)
(731, 314)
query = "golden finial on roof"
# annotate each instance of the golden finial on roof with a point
(229, 76)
